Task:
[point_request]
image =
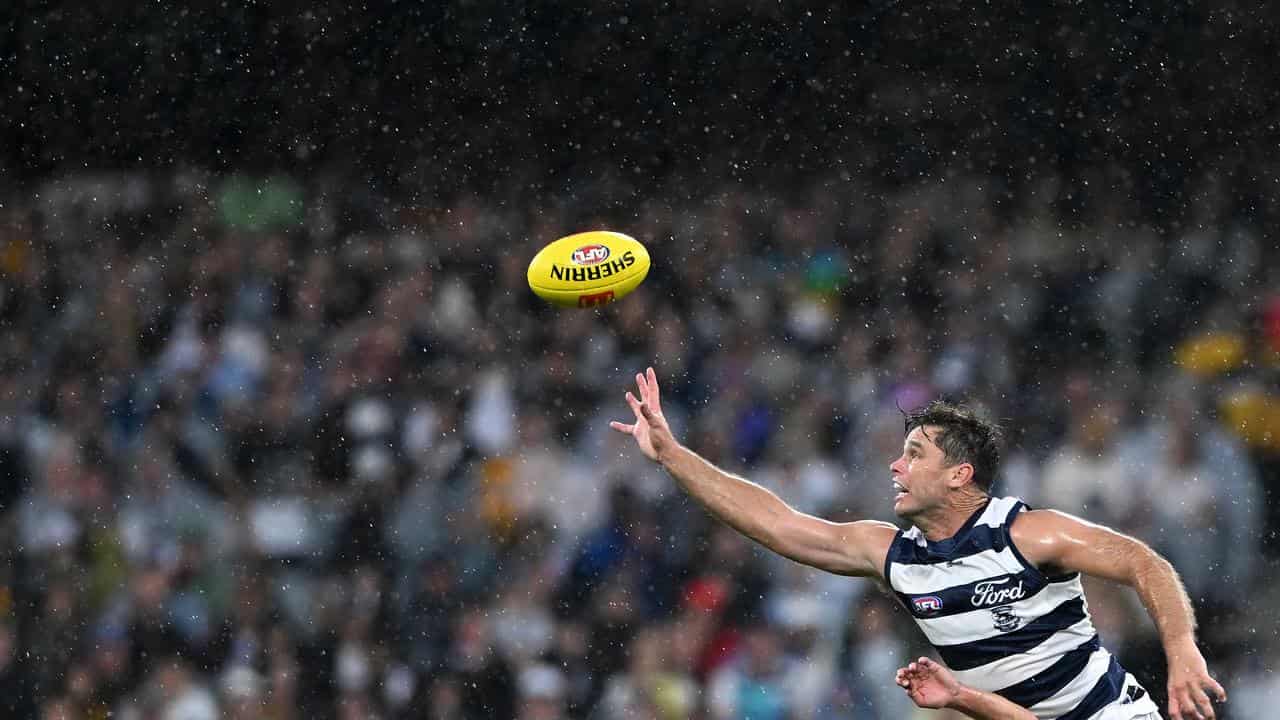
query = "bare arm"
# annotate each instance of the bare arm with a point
(931, 685)
(856, 548)
(988, 706)
(1050, 538)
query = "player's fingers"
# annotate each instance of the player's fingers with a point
(1186, 708)
(1203, 704)
(1183, 709)
(646, 411)
(653, 386)
(637, 408)
(926, 663)
(1218, 690)
(646, 388)
(622, 427)
(1191, 706)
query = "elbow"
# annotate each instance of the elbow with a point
(1145, 564)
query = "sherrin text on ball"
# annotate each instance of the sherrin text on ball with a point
(588, 269)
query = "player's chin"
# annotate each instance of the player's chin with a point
(905, 507)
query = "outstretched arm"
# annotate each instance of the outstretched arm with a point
(856, 548)
(931, 685)
(1054, 539)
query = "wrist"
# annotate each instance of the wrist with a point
(668, 455)
(1180, 646)
(963, 698)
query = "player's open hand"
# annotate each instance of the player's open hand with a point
(650, 429)
(1189, 685)
(929, 684)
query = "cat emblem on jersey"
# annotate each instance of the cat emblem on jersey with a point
(1004, 619)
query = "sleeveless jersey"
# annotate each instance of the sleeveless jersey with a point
(999, 623)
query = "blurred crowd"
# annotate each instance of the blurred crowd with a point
(284, 434)
(278, 448)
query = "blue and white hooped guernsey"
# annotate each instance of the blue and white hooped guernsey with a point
(1002, 625)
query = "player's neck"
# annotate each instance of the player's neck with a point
(948, 520)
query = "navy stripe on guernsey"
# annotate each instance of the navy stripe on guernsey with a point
(1042, 685)
(977, 539)
(957, 599)
(967, 656)
(1104, 692)
(999, 622)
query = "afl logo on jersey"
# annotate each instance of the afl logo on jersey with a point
(927, 605)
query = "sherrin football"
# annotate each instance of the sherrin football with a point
(588, 269)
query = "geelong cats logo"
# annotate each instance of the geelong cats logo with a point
(1004, 619)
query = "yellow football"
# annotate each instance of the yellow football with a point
(588, 269)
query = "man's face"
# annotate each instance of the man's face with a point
(919, 474)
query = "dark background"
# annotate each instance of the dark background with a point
(452, 97)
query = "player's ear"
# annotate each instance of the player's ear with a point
(960, 474)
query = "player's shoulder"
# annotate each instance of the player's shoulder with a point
(875, 540)
(1041, 531)
(877, 526)
(877, 531)
(1031, 520)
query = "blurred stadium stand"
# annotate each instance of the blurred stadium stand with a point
(283, 433)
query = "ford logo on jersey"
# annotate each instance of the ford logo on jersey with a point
(927, 605)
(997, 592)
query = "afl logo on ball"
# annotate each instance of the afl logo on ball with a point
(590, 255)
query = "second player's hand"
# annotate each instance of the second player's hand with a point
(650, 429)
(929, 684)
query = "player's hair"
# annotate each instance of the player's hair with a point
(964, 437)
